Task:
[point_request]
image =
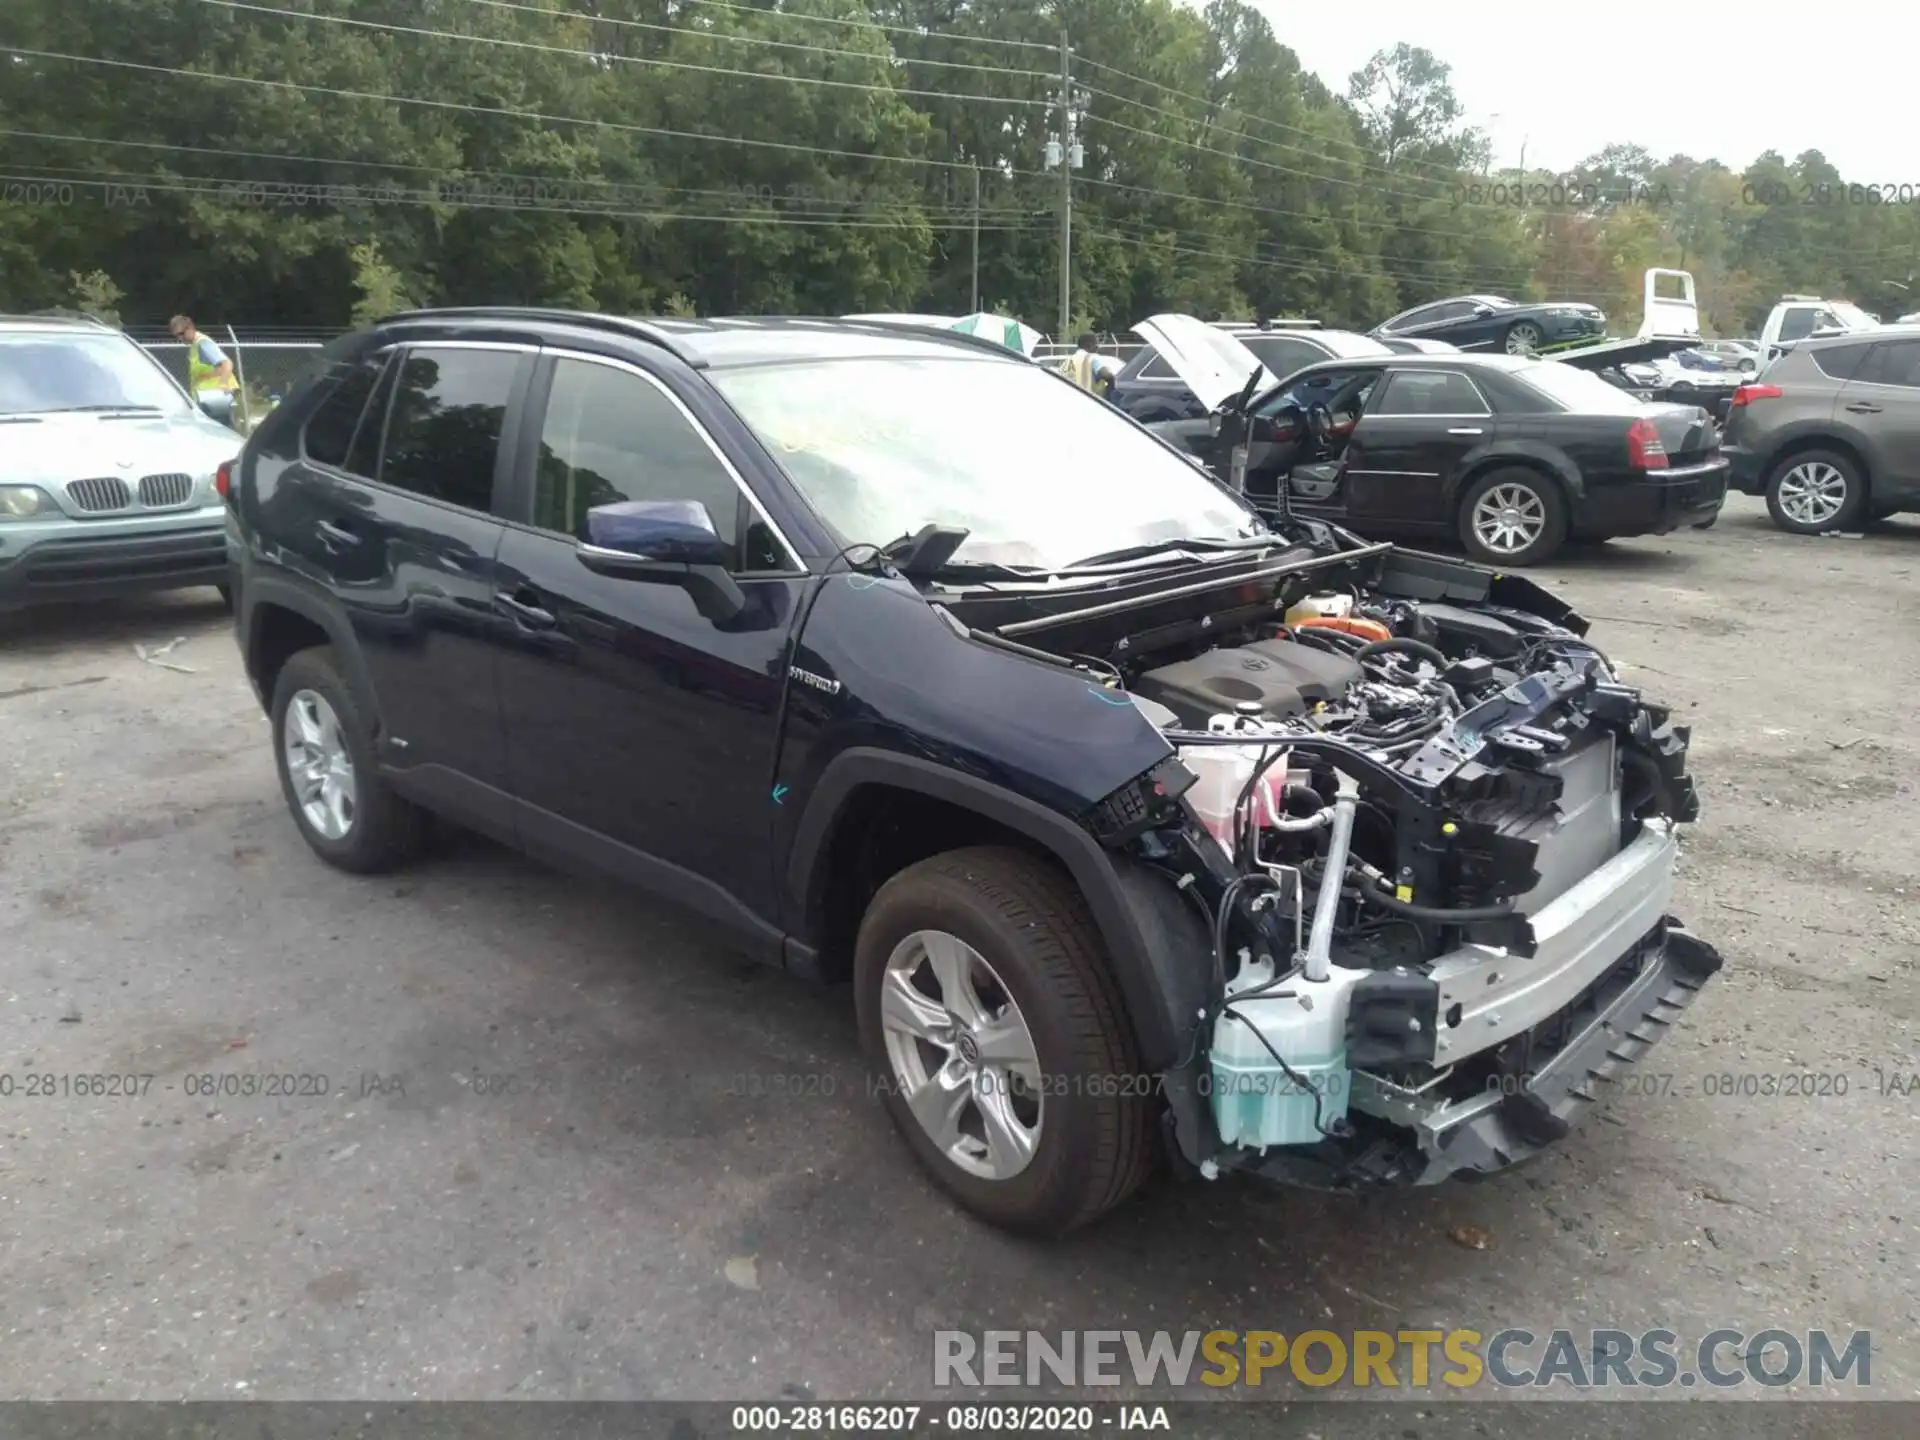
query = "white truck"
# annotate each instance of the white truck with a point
(1798, 317)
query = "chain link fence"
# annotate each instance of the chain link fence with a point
(266, 366)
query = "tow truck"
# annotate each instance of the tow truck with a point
(1669, 324)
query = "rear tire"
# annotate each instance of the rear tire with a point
(381, 831)
(1036, 971)
(226, 596)
(1815, 491)
(1513, 517)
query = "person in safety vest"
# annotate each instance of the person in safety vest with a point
(1088, 368)
(210, 377)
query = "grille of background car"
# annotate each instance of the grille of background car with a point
(159, 491)
(108, 492)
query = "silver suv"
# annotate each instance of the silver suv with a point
(1830, 432)
(107, 468)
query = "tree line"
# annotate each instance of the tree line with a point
(282, 163)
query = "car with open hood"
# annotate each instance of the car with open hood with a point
(109, 473)
(1142, 828)
(1510, 455)
(1494, 323)
(1152, 387)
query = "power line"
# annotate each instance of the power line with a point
(465, 176)
(123, 180)
(1353, 145)
(1372, 187)
(737, 39)
(871, 24)
(592, 56)
(621, 126)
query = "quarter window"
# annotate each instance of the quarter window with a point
(329, 432)
(443, 437)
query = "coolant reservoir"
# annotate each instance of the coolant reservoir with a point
(1321, 607)
(1256, 1103)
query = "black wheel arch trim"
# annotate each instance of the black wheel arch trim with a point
(1522, 455)
(258, 590)
(1131, 909)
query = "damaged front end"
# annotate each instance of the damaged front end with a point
(1433, 839)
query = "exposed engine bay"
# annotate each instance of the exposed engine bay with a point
(1432, 839)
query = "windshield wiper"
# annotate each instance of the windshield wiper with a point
(1163, 547)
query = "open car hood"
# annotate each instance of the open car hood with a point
(1214, 365)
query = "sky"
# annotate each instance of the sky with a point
(1566, 78)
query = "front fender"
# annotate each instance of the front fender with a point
(1152, 937)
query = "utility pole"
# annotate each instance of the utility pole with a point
(1064, 150)
(975, 308)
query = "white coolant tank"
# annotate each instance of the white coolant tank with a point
(1223, 772)
(1256, 1103)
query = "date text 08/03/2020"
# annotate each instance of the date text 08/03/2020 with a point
(959, 1419)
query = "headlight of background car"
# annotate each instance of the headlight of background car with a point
(21, 502)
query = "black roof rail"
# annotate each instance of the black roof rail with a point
(591, 320)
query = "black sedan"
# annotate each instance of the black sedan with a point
(1511, 455)
(1489, 322)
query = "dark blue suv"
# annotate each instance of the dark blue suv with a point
(1141, 828)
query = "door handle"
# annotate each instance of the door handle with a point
(1864, 407)
(529, 615)
(1466, 430)
(337, 534)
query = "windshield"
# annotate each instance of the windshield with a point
(41, 372)
(1578, 390)
(1039, 473)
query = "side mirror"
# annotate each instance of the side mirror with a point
(665, 542)
(1482, 310)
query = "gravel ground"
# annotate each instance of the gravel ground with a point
(550, 1161)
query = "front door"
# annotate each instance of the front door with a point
(641, 734)
(1408, 450)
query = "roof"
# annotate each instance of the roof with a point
(1906, 330)
(57, 320)
(744, 340)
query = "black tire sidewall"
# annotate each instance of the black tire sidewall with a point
(1552, 537)
(1850, 511)
(1045, 1197)
(360, 849)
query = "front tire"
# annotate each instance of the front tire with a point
(1816, 491)
(986, 1005)
(323, 748)
(1513, 518)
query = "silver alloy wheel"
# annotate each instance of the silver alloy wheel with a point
(961, 1054)
(319, 765)
(1509, 518)
(1812, 493)
(1523, 339)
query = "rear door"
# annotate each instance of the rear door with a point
(1881, 407)
(640, 733)
(392, 511)
(1418, 431)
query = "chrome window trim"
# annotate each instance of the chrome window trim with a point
(796, 566)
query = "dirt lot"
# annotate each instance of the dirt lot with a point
(630, 1219)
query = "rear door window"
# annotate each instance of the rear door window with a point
(1892, 362)
(1429, 392)
(1841, 362)
(443, 435)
